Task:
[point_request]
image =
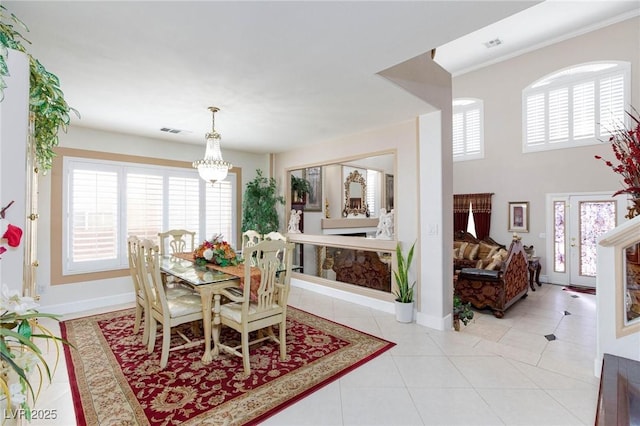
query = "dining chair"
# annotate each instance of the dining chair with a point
(133, 244)
(249, 239)
(176, 241)
(275, 236)
(267, 307)
(168, 312)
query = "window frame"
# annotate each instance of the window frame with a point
(565, 80)
(58, 211)
(472, 104)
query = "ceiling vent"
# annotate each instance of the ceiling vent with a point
(492, 43)
(174, 131)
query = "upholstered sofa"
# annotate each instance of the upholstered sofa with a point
(470, 252)
(496, 289)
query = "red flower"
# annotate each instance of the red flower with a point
(625, 144)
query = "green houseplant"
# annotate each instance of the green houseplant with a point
(46, 99)
(461, 312)
(300, 187)
(259, 205)
(21, 360)
(404, 291)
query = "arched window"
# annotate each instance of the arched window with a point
(575, 106)
(468, 129)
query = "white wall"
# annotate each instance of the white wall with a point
(514, 176)
(14, 131)
(613, 336)
(94, 294)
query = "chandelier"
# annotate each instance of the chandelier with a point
(212, 167)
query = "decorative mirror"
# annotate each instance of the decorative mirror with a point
(355, 195)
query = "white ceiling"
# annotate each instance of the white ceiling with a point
(283, 73)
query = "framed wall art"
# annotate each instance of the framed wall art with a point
(314, 198)
(518, 216)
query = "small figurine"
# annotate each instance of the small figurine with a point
(326, 209)
(294, 222)
(385, 225)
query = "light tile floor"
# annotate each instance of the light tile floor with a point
(492, 372)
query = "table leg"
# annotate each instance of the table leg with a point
(531, 279)
(216, 324)
(538, 275)
(206, 295)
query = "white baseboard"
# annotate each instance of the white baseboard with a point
(370, 302)
(442, 324)
(89, 304)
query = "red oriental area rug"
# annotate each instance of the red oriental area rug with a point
(115, 381)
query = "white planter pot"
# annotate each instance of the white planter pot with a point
(404, 311)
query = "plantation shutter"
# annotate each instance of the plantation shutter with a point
(584, 110)
(611, 103)
(373, 177)
(472, 131)
(535, 119)
(467, 129)
(219, 211)
(559, 115)
(183, 207)
(93, 221)
(144, 205)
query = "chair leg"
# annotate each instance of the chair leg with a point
(153, 326)
(245, 353)
(138, 320)
(283, 340)
(147, 326)
(166, 341)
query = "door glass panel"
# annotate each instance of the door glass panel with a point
(596, 218)
(632, 281)
(559, 236)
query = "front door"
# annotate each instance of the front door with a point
(578, 221)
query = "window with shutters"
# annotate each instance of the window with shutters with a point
(108, 201)
(374, 191)
(576, 106)
(468, 129)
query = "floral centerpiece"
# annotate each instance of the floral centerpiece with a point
(20, 358)
(625, 144)
(216, 251)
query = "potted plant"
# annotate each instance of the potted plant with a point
(461, 312)
(259, 211)
(46, 100)
(300, 187)
(404, 291)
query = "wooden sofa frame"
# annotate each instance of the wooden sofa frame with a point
(499, 289)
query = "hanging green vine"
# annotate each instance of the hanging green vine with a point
(46, 99)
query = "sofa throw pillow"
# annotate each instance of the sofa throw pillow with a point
(503, 254)
(496, 262)
(471, 251)
(485, 251)
(461, 250)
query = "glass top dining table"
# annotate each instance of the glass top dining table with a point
(209, 283)
(193, 274)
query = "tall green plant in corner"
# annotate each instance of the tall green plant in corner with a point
(404, 290)
(46, 100)
(259, 210)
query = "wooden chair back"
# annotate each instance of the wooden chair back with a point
(176, 241)
(250, 238)
(267, 306)
(151, 277)
(275, 236)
